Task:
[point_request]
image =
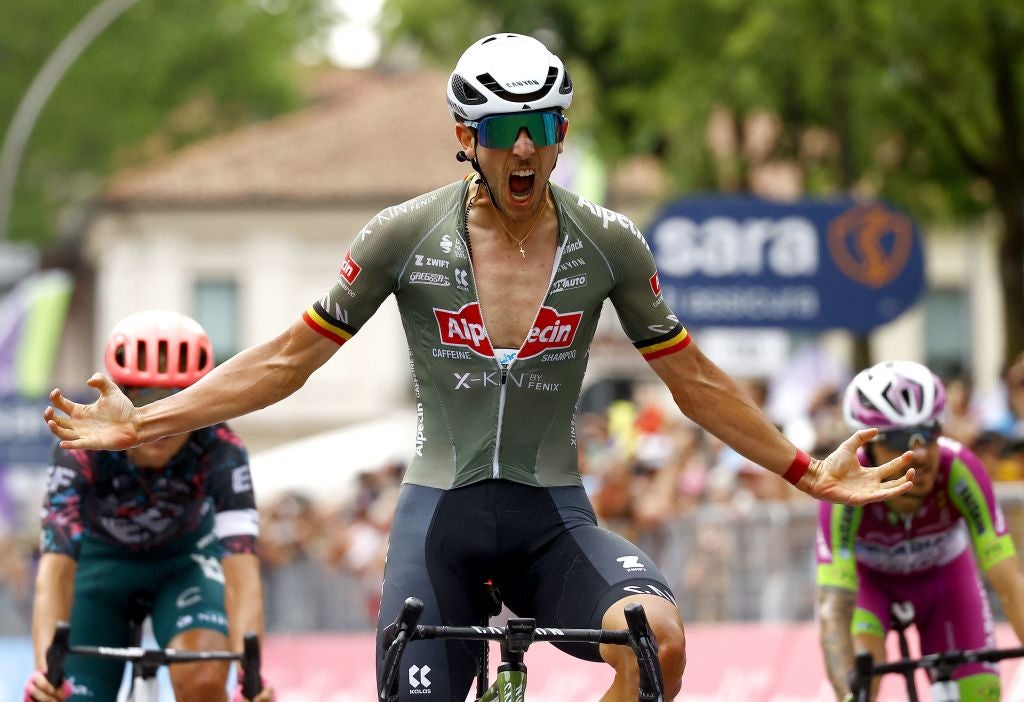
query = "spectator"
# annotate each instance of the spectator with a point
(961, 422)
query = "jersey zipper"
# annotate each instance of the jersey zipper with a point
(495, 466)
(503, 388)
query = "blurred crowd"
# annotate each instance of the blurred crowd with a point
(646, 469)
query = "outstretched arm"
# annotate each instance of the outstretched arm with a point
(1007, 578)
(711, 398)
(259, 376)
(55, 588)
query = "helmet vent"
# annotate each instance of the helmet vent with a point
(140, 355)
(466, 93)
(161, 356)
(488, 82)
(182, 357)
(566, 87)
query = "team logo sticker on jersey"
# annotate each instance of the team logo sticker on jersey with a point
(422, 260)
(464, 327)
(426, 278)
(349, 268)
(570, 283)
(551, 330)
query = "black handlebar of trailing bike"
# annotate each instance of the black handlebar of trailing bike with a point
(518, 636)
(60, 648)
(865, 667)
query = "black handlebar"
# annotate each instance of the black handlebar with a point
(56, 654)
(60, 648)
(516, 637)
(645, 646)
(252, 681)
(394, 640)
(943, 663)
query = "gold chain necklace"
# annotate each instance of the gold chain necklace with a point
(535, 223)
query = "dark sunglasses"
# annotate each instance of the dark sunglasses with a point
(908, 438)
(501, 131)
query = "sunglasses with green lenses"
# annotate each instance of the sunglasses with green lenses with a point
(501, 131)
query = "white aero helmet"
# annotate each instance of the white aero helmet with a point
(893, 395)
(504, 73)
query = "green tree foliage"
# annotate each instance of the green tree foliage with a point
(918, 101)
(163, 74)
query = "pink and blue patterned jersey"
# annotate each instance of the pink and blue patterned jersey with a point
(103, 495)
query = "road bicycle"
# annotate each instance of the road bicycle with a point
(146, 662)
(939, 665)
(514, 639)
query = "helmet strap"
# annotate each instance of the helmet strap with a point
(482, 178)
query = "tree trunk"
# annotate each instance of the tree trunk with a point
(839, 91)
(1011, 269)
(861, 351)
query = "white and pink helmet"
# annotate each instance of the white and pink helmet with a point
(893, 395)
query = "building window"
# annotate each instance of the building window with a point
(216, 308)
(948, 331)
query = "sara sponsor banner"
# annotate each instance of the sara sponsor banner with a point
(725, 663)
(742, 262)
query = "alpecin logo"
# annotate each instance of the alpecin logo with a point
(551, 330)
(655, 284)
(349, 268)
(464, 327)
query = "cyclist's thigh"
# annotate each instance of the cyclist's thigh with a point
(581, 572)
(436, 537)
(958, 615)
(191, 595)
(97, 619)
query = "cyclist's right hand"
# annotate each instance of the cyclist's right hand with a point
(39, 689)
(110, 423)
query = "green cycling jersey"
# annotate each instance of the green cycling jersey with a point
(485, 412)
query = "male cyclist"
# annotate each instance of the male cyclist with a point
(500, 280)
(172, 521)
(924, 546)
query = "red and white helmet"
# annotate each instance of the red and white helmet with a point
(158, 349)
(504, 73)
(893, 395)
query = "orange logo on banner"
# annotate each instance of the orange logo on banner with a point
(857, 238)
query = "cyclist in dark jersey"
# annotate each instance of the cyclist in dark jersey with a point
(924, 547)
(500, 280)
(172, 521)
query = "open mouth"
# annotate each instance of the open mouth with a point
(520, 183)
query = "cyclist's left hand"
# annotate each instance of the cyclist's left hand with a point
(267, 695)
(841, 478)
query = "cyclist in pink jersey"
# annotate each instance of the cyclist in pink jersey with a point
(924, 546)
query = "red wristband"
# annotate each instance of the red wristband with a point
(797, 468)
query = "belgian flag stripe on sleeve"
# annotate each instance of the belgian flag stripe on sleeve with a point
(319, 322)
(676, 340)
